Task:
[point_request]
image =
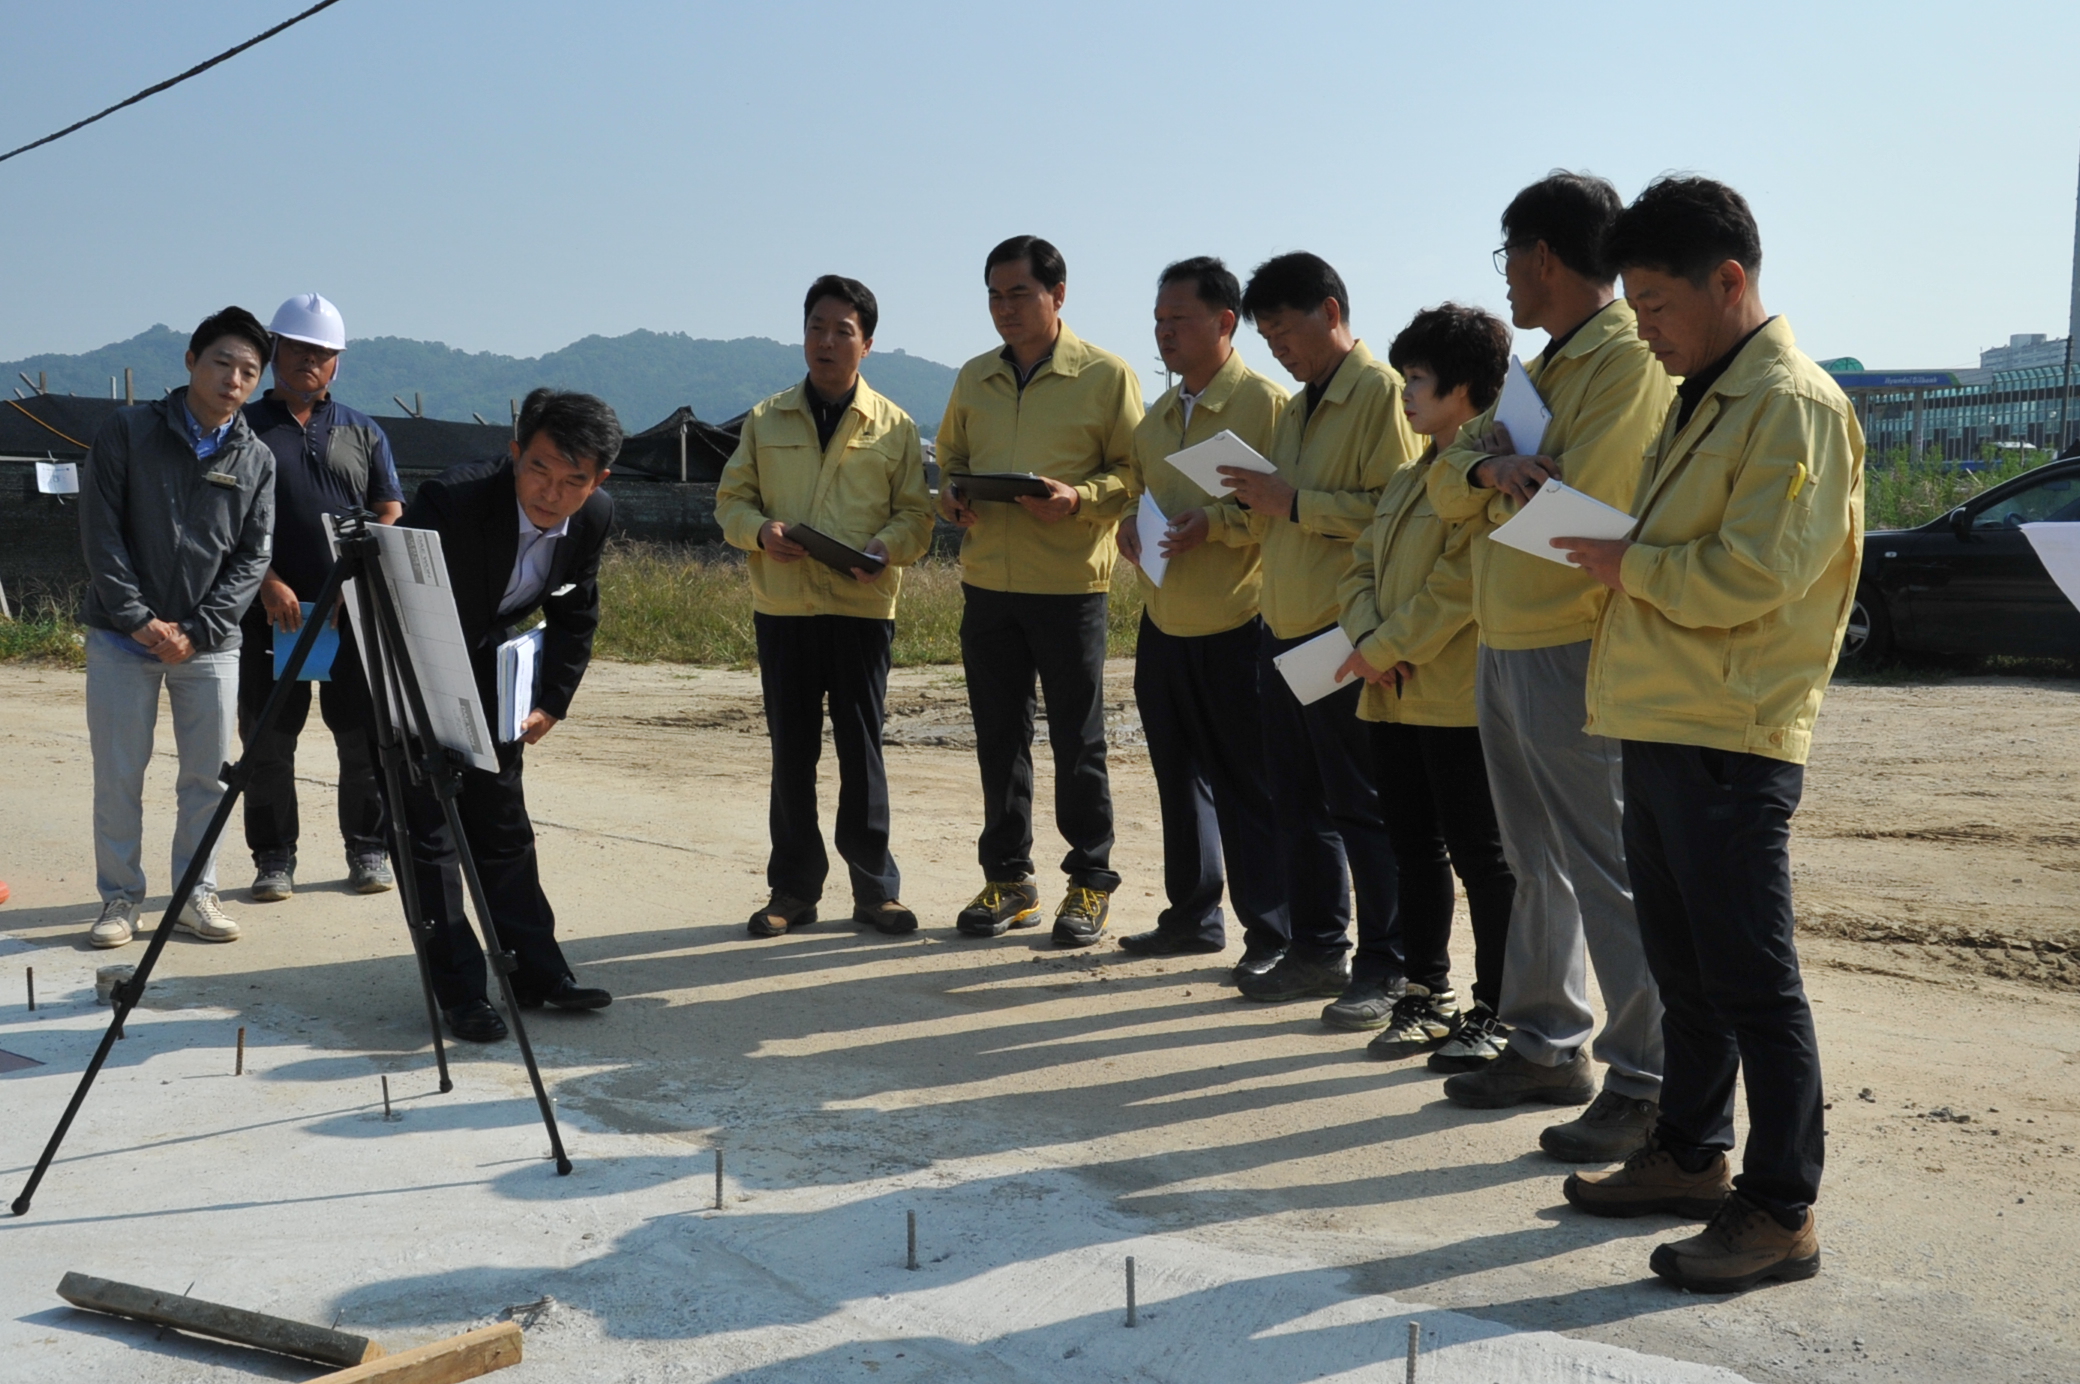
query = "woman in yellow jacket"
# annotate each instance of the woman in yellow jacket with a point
(1408, 608)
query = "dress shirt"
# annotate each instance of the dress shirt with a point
(530, 564)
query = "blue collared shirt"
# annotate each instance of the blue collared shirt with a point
(206, 444)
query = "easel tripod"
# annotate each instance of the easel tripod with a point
(395, 684)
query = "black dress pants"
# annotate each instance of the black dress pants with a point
(1441, 820)
(493, 809)
(1203, 714)
(1008, 639)
(272, 825)
(1332, 840)
(801, 660)
(1708, 845)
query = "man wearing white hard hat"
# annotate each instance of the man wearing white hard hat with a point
(329, 459)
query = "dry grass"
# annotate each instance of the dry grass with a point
(664, 604)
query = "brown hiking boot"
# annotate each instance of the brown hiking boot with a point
(1614, 1126)
(1514, 1079)
(1742, 1246)
(1651, 1180)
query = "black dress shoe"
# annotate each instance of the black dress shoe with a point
(476, 1022)
(1161, 943)
(566, 993)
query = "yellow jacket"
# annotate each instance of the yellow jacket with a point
(1738, 587)
(1075, 423)
(1408, 598)
(1339, 458)
(869, 484)
(1214, 587)
(1608, 396)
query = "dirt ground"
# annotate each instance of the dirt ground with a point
(1936, 884)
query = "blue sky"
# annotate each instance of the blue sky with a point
(510, 175)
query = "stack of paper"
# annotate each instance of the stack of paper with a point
(1152, 528)
(1561, 511)
(519, 682)
(1310, 668)
(1201, 463)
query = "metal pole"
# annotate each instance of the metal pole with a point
(1914, 446)
(682, 454)
(129, 392)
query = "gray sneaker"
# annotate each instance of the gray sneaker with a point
(1421, 1020)
(1479, 1040)
(369, 874)
(1612, 1129)
(273, 881)
(115, 926)
(1364, 1005)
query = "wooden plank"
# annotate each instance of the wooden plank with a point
(278, 1334)
(459, 1357)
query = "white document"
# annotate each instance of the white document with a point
(57, 477)
(1561, 511)
(1310, 668)
(2058, 548)
(417, 575)
(1201, 463)
(519, 682)
(1522, 411)
(1152, 528)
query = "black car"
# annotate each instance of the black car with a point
(1969, 583)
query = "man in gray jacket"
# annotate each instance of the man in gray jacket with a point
(177, 518)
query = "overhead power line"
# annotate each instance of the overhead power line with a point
(194, 71)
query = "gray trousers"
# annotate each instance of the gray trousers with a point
(1560, 801)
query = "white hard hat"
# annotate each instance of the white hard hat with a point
(308, 317)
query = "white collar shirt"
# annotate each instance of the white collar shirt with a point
(530, 563)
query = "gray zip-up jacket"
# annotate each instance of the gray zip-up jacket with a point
(171, 537)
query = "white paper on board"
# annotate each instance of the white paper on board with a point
(2058, 548)
(1310, 668)
(1561, 511)
(1522, 411)
(1152, 528)
(1202, 461)
(57, 477)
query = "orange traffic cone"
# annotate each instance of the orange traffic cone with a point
(3, 891)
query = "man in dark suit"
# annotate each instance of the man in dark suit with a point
(518, 533)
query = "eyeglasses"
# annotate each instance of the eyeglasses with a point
(1501, 256)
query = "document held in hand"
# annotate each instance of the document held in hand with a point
(1310, 668)
(1561, 511)
(1201, 462)
(1522, 411)
(318, 666)
(519, 680)
(1152, 528)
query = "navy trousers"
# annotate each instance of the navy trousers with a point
(1332, 838)
(1708, 845)
(802, 659)
(1203, 715)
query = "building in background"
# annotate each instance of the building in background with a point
(2017, 397)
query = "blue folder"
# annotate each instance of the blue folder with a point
(316, 668)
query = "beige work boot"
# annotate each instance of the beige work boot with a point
(1649, 1181)
(205, 917)
(116, 925)
(1743, 1246)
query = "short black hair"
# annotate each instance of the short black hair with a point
(1216, 284)
(233, 321)
(1045, 262)
(1299, 281)
(582, 426)
(849, 291)
(1572, 213)
(1688, 227)
(1459, 345)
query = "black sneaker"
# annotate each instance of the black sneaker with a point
(1298, 978)
(1422, 1020)
(273, 880)
(1080, 920)
(1255, 962)
(999, 908)
(1479, 1040)
(1364, 1005)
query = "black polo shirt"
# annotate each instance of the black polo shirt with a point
(315, 474)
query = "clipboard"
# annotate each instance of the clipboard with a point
(1003, 486)
(318, 666)
(830, 552)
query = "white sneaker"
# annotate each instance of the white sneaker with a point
(206, 918)
(115, 926)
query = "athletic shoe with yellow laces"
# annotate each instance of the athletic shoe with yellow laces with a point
(1080, 920)
(1001, 906)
